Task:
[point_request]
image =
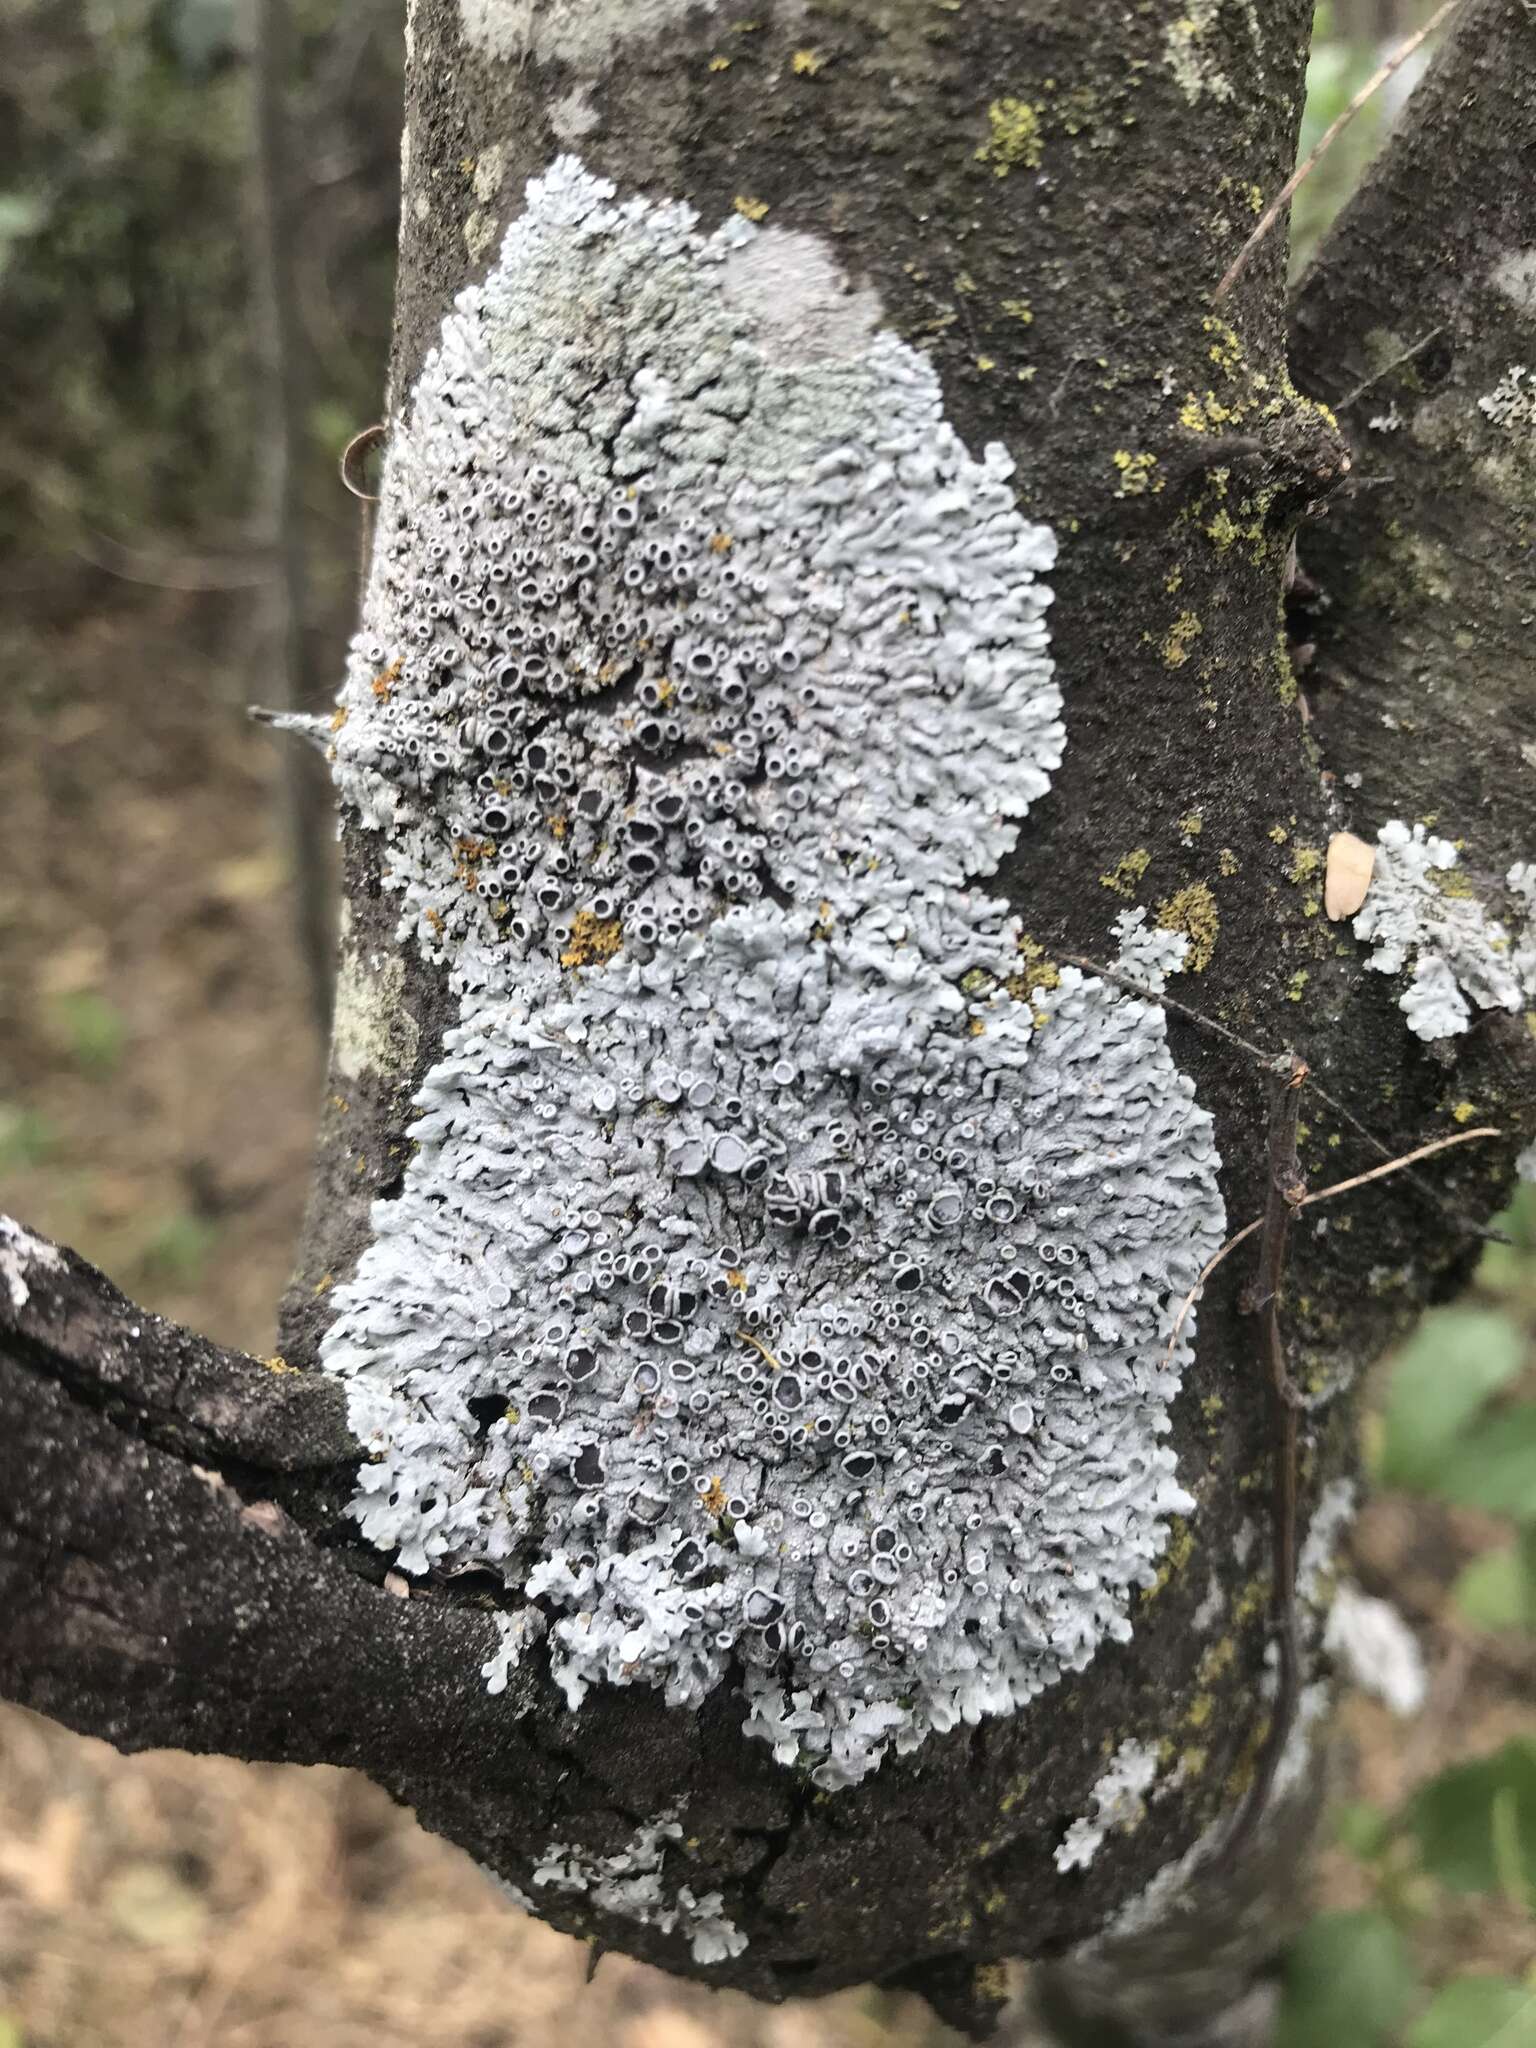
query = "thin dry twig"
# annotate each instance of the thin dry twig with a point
(1167, 1002)
(1276, 1062)
(1286, 1197)
(1376, 376)
(1330, 135)
(353, 456)
(1340, 1187)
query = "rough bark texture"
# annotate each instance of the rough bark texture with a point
(1417, 319)
(1093, 169)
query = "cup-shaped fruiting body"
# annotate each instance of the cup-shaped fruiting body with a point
(758, 1292)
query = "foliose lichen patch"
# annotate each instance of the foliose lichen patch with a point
(21, 1252)
(632, 1884)
(757, 1299)
(1119, 1804)
(1421, 909)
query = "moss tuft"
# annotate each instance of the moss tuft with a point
(1193, 912)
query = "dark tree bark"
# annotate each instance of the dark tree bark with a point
(1419, 308)
(1043, 200)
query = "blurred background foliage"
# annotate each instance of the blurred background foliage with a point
(158, 1068)
(126, 290)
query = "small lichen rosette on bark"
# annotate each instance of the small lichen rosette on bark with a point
(759, 1295)
(1423, 909)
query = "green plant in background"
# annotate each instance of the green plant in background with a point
(26, 1139)
(1358, 1977)
(1457, 1428)
(1460, 1423)
(1348, 42)
(176, 1248)
(125, 269)
(91, 1029)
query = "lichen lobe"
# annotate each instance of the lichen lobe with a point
(754, 1293)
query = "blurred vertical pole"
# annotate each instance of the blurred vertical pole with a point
(281, 436)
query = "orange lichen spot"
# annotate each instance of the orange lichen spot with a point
(386, 679)
(435, 919)
(559, 826)
(327, 1281)
(338, 718)
(593, 940)
(278, 1364)
(751, 209)
(737, 1279)
(712, 1500)
(721, 543)
(978, 1028)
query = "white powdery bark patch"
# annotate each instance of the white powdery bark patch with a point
(1317, 1565)
(756, 1296)
(1421, 909)
(20, 1251)
(1119, 1804)
(631, 1885)
(1377, 1648)
(588, 34)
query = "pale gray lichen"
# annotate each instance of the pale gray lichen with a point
(1119, 1804)
(372, 1032)
(767, 1288)
(480, 234)
(20, 1253)
(1376, 1648)
(587, 34)
(631, 1884)
(489, 172)
(1512, 401)
(1414, 912)
(1187, 48)
(1318, 1560)
(1148, 953)
(517, 1633)
(1514, 274)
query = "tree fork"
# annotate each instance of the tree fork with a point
(1042, 206)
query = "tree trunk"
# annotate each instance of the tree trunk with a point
(680, 1020)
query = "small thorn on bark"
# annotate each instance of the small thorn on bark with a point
(303, 725)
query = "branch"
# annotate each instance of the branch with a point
(1411, 319)
(153, 1593)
